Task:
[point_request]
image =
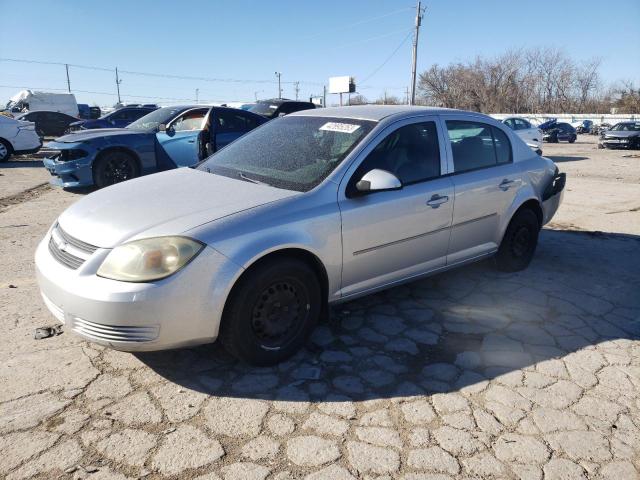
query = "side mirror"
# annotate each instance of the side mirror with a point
(162, 127)
(377, 180)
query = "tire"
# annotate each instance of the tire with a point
(254, 328)
(114, 167)
(519, 242)
(5, 150)
(572, 140)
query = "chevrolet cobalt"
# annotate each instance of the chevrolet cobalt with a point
(321, 206)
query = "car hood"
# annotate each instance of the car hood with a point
(167, 203)
(85, 135)
(620, 134)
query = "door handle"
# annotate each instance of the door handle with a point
(436, 200)
(191, 141)
(505, 185)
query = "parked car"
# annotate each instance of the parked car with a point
(119, 118)
(584, 126)
(531, 135)
(599, 129)
(621, 135)
(48, 124)
(88, 113)
(554, 132)
(277, 107)
(166, 138)
(316, 208)
(17, 137)
(32, 101)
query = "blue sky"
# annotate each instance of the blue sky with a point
(306, 41)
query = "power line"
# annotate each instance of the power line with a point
(111, 94)
(153, 74)
(389, 57)
(360, 22)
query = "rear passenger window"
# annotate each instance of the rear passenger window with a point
(411, 153)
(502, 144)
(477, 145)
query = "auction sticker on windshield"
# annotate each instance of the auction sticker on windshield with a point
(340, 127)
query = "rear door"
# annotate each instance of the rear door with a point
(485, 181)
(180, 139)
(228, 125)
(389, 236)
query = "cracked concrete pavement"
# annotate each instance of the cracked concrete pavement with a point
(468, 374)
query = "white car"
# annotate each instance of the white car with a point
(17, 136)
(530, 134)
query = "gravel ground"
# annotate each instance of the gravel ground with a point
(468, 374)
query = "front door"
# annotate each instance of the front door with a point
(229, 125)
(486, 181)
(388, 236)
(180, 139)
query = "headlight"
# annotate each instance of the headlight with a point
(149, 259)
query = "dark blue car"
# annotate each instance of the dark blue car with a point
(119, 118)
(167, 138)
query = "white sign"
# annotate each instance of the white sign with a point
(339, 127)
(341, 85)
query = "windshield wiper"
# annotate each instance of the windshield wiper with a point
(249, 179)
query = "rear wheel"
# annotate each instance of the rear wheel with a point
(519, 242)
(114, 167)
(5, 150)
(271, 312)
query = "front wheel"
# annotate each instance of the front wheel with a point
(271, 312)
(5, 151)
(519, 242)
(114, 167)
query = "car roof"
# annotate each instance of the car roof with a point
(374, 112)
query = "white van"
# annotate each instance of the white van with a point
(30, 101)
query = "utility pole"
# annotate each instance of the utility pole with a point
(324, 95)
(66, 66)
(406, 95)
(419, 12)
(197, 92)
(118, 84)
(297, 87)
(278, 74)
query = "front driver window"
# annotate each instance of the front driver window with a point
(190, 121)
(411, 153)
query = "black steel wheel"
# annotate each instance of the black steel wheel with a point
(271, 311)
(519, 242)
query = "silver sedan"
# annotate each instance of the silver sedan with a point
(308, 210)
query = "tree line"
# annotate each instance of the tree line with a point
(537, 80)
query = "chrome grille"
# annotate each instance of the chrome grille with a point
(80, 245)
(63, 257)
(113, 333)
(68, 250)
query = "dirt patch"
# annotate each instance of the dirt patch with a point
(24, 196)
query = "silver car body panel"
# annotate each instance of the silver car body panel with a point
(363, 244)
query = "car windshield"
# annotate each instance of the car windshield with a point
(294, 153)
(151, 120)
(264, 108)
(626, 127)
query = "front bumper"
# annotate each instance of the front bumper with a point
(72, 173)
(616, 142)
(182, 310)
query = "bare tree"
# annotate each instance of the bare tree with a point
(358, 100)
(534, 80)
